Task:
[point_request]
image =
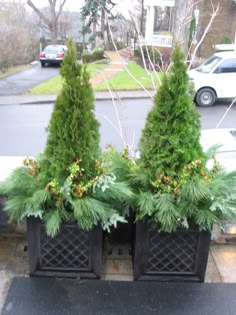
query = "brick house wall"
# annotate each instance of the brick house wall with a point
(223, 26)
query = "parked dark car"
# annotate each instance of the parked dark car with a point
(52, 54)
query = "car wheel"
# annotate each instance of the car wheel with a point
(206, 97)
(42, 64)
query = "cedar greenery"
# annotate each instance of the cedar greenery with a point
(173, 185)
(70, 182)
(172, 182)
(73, 128)
(170, 138)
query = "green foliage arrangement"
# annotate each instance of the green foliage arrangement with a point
(70, 181)
(173, 184)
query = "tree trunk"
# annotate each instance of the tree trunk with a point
(102, 23)
(53, 20)
(53, 32)
(182, 17)
(141, 20)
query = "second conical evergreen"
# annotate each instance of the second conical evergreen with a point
(171, 136)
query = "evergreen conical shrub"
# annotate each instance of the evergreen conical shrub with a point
(73, 130)
(71, 182)
(171, 136)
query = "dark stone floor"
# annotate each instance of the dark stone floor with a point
(42, 296)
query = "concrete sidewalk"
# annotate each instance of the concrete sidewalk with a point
(221, 266)
(48, 99)
(115, 66)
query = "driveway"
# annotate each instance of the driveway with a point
(21, 82)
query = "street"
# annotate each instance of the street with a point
(19, 83)
(23, 127)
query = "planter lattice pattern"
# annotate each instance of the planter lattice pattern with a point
(179, 256)
(172, 252)
(68, 250)
(72, 253)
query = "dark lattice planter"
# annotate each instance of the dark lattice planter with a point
(123, 232)
(72, 253)
(180, 256)
(4, 224)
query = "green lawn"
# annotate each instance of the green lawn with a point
(123, 81)
(53, 86)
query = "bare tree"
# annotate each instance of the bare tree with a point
(18, 36)
(183, 17)
(137, 16)
(55, 7)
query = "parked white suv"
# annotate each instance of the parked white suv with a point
(216, 78)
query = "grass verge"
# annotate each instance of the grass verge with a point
(120, 82)
(54, 85)
(13, 70)
(123, 81)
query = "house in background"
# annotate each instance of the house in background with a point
(223, 29)
(159, 22)
(166, 19)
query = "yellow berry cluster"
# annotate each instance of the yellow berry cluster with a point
(31, 165)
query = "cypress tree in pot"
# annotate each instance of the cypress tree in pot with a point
(177, 197)
(67, 194)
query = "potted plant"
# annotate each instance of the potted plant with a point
(177, 195)
(67, 195)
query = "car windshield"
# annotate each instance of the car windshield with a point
(53, 49)
(209, 65)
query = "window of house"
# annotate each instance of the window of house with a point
(227, 66)
(162, 19)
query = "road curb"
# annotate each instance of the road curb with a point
(50, 99)
(34, 63)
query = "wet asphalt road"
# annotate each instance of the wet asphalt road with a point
(20, 83)
(23, 127)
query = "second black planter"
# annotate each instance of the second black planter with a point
(72, 253)
(180, 256)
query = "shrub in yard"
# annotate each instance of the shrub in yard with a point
(94, 56)
(148, 52)
(86, 58)
(97, 54)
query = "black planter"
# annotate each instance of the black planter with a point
(4, 224)
(72, 253)
(180, 256)
(123, 232)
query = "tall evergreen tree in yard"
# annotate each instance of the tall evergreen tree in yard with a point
(73, 128)
(96, 10)
(171, 136)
